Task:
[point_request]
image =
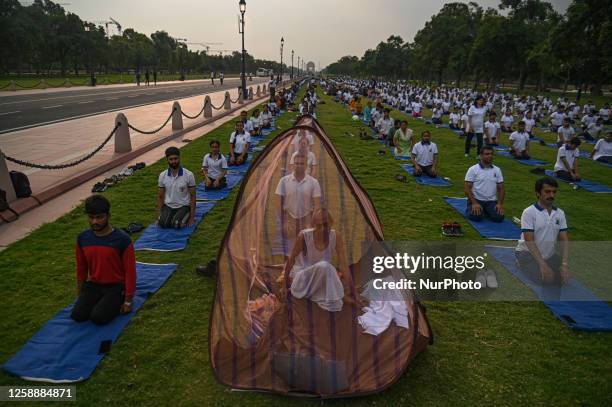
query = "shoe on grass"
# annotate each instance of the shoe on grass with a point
(491, 279)
(481, 278)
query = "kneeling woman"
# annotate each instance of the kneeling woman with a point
(309, 272)
(214, 167)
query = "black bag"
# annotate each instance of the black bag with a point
(21, 183)
(4, 206)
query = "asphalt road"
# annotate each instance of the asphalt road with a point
(19, 112)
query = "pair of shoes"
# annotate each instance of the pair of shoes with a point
(382, 152)
(486, 278)
(542, 142)
(99, 187)
(451, 229)
(127, 171)
(209, 270)
(133, 228)
(401, 178)
(186, 140)
(538, 171)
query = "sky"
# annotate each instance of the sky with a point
(321, 31)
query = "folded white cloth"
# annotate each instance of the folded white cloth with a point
(378, 316)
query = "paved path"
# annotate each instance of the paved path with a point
(26, 109)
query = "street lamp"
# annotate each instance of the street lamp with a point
(281, 52)
(242, 6)
(298, 67)
(291, 64)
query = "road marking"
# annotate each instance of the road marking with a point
(16, 111)
(52, 107)
(87, 101)
(111, 98)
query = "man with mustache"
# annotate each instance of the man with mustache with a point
(176, 196)
(542, 225)
(105, 267)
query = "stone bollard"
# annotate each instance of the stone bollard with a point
(227, 103)
(258, 91)
(43, 84)
(12, 86)
(250, 93)
(123, 143)
(240, 98)
(177, 117)
(207, 107)
(5, 180)
(265, 90)
(67, 83)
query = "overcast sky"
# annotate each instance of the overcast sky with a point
(318, 30)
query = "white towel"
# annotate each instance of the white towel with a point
(378, 316)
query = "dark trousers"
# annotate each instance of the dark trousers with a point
(174, 218)
(222, 184)
(488, 210)
(426, 169)
(468, 142)
(605, 159)
(565, 176)
(520, 156)
(530, 267)
(436, 120)
(100, 303)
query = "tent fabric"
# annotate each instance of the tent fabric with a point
(64, 351)
(260, 339)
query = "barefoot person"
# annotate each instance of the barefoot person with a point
(484, 188)
(403, 139)
(240, 141)
(542, 225)
(176, 197)
(425, 156)
(566, 167)
(214, 167)
(105, 267)
(309, 271)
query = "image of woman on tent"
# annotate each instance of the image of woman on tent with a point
(309, 271)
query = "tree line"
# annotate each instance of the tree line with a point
(43, 38)
(523, 41)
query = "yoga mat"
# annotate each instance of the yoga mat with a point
(65, 351)
(488, 229)
(500, 148)
(425, 179)
(587, 185)
(168, 240)
(531, 161)
(574, 304)
(218, 194)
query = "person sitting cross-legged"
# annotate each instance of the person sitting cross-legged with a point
(425, 156)
(240, 141)
(602, 151)
(484, 188)
(214, 167)
(403, 139)
(542, 225)
(519, 143)
(566, 166)
(176, 197)
(105, 267)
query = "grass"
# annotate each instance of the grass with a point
(485, 353)
(32, 81)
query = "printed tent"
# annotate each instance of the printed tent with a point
(260, 339)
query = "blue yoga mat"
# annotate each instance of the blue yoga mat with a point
(169, 240)
(500, 148)
(242, 168)
(531, 161)
(218, 194)
(488, 229)
(586, 185)
(576, 306)
(65, 351)
(425, 179)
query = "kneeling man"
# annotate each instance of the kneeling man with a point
(425, 156)
(176, 197)
(484, 188)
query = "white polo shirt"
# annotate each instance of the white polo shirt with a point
(484, 181)
(425, 152)
(298, 195)
(266, 117)
(520, 140)
(529, 124)
(476, 115)
(295, 142)
(256, 122)
(177, 188)
(453, 118)
(385, 125)
(507, 120)
(545, 227)
(556, 118)
(214, 167)
(240, 141)
(248, 126)
(492, 128)
(567, 132)
(603, 148)
(570, 156)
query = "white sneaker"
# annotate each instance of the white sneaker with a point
(491, 279)
(481, 278)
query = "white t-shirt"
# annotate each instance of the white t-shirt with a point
(240, 141)
(529, 124)
(266, 117)
(604, 113)
(177, 188)
(298, 195)
(545, 227)
(507, 120)
(385, 125)
(566, 132)
(466, 122)
(453, 118)
(484, 181)
(603, 148)
(594, 130)
(520, 140)
(295, 142)
(425, 152)
(492, 128)
(570, 156)
(416, 107)
(556, 118)
(214, 167)
(477, 118)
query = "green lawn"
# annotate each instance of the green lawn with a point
(33, 81)
(485, 353)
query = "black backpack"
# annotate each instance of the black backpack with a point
(21, 183)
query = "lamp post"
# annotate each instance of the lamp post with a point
(281, 52)
(291, 64)
(298, 66)
(242, 6)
